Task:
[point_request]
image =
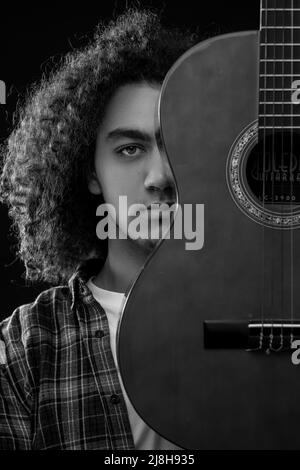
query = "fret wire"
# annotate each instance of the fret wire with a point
(280, 43)
(280, 127)
(275, 67)
(280, 36)
(280, 75)
(274, 102)
(280, 60)
(280, 27)
(279, 5)
(277, 25)
(279, 115)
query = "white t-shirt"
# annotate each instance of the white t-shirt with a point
(144, 437)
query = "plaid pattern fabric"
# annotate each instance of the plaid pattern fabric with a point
(59, 388)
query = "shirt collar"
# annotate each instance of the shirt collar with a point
(77, 282)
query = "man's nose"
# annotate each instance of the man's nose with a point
(159, 176)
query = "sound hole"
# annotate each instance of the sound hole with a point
(273, 169)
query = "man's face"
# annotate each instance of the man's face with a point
(127, 159)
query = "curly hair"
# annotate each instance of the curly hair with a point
(49, 155)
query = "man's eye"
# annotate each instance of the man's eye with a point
(130, 150)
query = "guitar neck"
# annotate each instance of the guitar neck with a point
(279, 65)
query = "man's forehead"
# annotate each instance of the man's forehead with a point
(132, 105)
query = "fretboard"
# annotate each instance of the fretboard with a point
(279, 67)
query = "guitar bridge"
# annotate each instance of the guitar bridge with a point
(268, 335)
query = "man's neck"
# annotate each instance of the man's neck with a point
(124, 261)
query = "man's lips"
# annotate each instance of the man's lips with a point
(152, 208)
(166, 205)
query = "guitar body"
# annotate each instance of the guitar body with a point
(194, 391)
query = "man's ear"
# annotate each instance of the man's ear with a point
(93, 184)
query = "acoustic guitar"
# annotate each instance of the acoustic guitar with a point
(207, 336)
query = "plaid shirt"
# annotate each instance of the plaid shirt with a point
(59, 387)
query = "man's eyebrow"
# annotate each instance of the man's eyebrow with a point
(129, 133)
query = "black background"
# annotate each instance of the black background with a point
(32, 38)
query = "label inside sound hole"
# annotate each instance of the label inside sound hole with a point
(273, 168)
(263, 176)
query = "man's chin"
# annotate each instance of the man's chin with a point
(148, 244)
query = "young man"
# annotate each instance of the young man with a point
(86, 136)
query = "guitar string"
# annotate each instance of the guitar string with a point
(280, 14)
(291, 185)
(283, 144)
(269, 144)
(273, 166)
(278, 21)
(265, 34)
(263, 53)
(271, 157)
(284, 22)
(263, 40)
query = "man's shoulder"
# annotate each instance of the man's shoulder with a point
(46, 313)
(52, 315)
